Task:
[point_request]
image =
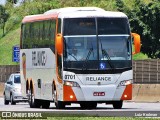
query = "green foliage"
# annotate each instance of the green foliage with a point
(12, 22)
(6, 44)
(143, 15)
(145, 20)
(120, 5)
(140, 56)
(14, 1)
(10, 1)
(105, 4)
(82, 117)
(3, 17)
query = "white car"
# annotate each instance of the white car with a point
(12, 90)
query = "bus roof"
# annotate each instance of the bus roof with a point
(39, 17)
(73, 12)
(79, 12)
(73, 9)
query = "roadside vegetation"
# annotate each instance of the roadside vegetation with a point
(143, 15)
(97, 118)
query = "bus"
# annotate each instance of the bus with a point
(104, 72)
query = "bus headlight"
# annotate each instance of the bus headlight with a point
(71, 83)
(125, 82)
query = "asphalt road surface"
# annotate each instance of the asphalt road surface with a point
(136, 109)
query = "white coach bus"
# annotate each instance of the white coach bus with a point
(77, 55)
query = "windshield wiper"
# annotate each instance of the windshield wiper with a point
(108, 57)
(67, 53)
(88, 55)
(72, 55)
(104, 53)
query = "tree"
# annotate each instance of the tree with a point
(120, 5)
(3, 17)
(12, 1)
(15, 1)
(145, 20)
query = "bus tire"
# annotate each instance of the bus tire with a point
(60, 105)
(45, 104)
(88, 105)
(117, 104)
(34, 103)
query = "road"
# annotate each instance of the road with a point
(102, 109)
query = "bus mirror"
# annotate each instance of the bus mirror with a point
(137, 43)
(59, 44)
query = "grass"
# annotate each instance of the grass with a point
(97, 118)
(140, 56)
(6, 44)
(77, 116)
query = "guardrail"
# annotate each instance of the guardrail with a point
(146, 71)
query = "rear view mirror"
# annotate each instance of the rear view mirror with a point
(59, 44)
(137, 43)
(9, 82)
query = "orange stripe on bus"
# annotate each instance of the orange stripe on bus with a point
(127, 94)
(39, 17)
(58, 77)
(68, 94)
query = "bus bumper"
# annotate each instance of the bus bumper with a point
(97, 93)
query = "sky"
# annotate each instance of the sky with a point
(2, 2)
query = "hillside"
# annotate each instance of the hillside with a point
(6, 44)
(12, 28)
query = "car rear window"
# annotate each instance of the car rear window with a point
(17, 79)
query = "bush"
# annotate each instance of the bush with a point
(13, 20)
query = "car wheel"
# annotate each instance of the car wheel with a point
(12, 101)
(6, 102)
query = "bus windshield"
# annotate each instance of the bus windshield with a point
(97, 43)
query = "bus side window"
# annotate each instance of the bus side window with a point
(26, 36)
(52, 32)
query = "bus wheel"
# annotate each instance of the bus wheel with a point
(45, 104)
(34, 103)
(88, 105)
(58, 104)
(117, 104)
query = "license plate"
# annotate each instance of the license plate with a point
(99, 94)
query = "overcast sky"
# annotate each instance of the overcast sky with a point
(2, 2)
